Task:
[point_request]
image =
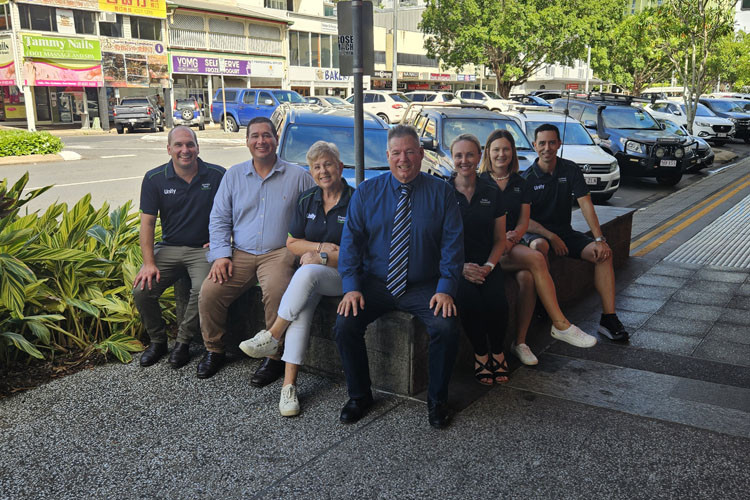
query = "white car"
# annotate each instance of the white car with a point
(433, 97)
(706, 125)
(328, 101)
(390, 106)
(486, 98)
(600, 169)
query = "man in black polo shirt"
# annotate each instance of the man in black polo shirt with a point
(181, 192)
(554, 182)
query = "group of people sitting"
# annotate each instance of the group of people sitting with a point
(405, 240)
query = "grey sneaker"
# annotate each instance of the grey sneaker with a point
(260, 346)
(523, 352)
(288, 403)
(574, 336)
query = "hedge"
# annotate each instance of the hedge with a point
(21, 142)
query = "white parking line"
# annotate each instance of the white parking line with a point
(88, 182)
(116, 156)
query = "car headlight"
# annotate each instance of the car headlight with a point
(733, 120)
(613, 166)
(635, 147)
(679, 153)
(703, 124)
(659, 152)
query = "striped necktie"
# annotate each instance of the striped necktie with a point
(398, 260)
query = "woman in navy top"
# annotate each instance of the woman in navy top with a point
(480, 300)
(500, 165)
(314, 236)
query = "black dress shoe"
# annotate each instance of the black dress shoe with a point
(438, 414)
(355, 409)
(153, 353)
(180, 355)
(269, 371)
(210, 364)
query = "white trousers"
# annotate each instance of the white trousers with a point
(309, 283)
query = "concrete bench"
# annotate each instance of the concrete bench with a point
(397, 342)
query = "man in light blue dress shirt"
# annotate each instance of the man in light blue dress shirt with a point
(248, 231)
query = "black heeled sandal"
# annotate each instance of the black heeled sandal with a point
(484, 378)
(500, 369)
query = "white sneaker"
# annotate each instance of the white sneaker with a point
(574, 336)
(260, 346)
(522, 352)
(288, 403)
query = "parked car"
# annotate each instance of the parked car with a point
(299, 127)
(486, 98)
(433, 97)
(547, 95)
(706, 124)
(189, 112)
(138, 112)
(389, 106)
(327, 101)
(632, 135)
(245, 104)
(531, 101)
(729, 95)
(439, 126)
(600, 169)
(730, 109)
(703, 152)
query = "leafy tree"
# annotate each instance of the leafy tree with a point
(630, 55)
(692, 30)
(515, 38)
(730, 62)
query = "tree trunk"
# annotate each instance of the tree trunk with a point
(503, 88)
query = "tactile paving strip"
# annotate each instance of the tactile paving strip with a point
(725, 242)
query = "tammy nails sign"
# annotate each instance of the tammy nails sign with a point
(210, 66)
(51, 47)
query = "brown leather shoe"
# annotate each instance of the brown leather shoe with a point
(180, 355)
(269, 371)
(153, 353)
(210, 364)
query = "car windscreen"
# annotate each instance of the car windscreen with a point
(673, 128)
(288, 96)
(744, 105)
(625, 117)
(335, 101)
(399, 97)
(492, 95)
(575, 134)
(701, 110)
(191, 102)
(480, 128)
(726, 106)
(135, 102)
(297, 140)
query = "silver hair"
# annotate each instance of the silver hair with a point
(322, 148)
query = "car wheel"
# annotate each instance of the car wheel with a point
(131, 129)
(601, 197)
(120, 129)
(231, 124)
(668, 180)
(384, 117)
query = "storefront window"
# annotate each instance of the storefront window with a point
(111, 29)
(145, 28)
(37, 17)
(304, 49)
(315, 45)
(84, 21)
(325, 51)
(335, 62)
(5, 17)
(293, 48)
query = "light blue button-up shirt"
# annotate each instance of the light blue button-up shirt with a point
(252, 214)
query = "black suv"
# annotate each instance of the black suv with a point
(641, 145)
(438, 126)
(731, 110)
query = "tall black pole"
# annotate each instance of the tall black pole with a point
(358, 70)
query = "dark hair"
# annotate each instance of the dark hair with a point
(500, 133)
(403, 131)
(262, 119)
(171, 132)
(547, 127)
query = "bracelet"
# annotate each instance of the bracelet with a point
(488, 263)
(320, 247)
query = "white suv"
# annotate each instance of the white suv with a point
(706, 125)
(600, 169)
(486, 98)
(390, 106)
(433, 97)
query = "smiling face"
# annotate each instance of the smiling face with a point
(261, 142)
(546, 145)
(501, 155)
(405, 158)
(326, 171)
(465, 158)
(183, 148)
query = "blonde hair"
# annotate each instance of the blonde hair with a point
(322, 148)
(486, 162)
(467, 137)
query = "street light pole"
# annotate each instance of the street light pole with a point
(358, 71)
(394, 78)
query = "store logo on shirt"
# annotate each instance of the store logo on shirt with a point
(206, 186)
(538, 187)
(516, 189)
(484, 201)
(310, 216)
(170, 191)
(341, 219)
(562, 180)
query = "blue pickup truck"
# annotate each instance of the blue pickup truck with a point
(245, 104)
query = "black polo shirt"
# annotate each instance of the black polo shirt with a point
(479, 219)
(515, 194)
(310, 222)
(552, 195)
(184, 209)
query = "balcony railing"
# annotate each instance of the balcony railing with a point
(192, 39)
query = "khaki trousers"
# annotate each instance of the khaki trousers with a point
(273, 271)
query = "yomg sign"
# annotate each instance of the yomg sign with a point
(50, 47)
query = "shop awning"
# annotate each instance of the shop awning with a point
(226, 8)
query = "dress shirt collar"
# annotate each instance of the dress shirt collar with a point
(278, 166)
(171, 174)
(396, 184)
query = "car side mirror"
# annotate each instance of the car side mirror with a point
(589, 124)
(677, 112)
(268, 102)
(663, 126)
(428, 143)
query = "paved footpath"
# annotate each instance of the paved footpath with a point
(665, 416)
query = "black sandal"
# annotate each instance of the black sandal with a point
(484, 378)
(500, 369)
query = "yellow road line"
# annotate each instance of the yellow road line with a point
(666, 236)
(684, 214)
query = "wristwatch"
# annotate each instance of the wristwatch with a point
(324, 258)
(601, 239)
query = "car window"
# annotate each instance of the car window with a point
(625, 117)
(419, 123)
(350, 99)
(448, 97)
(312, 100)
(262, 98)
(297, 140)
(136, 102)
(672, 108)
(288, 96)
(726, 106)
(492, 95)
(399, 97)
(588, 114)
(249, 98)
(673, 128)
(574, 133)
(335, 101)
(429, 97)
(701, 110)
(430, 129)
(229, 95)
(379, 98)
(659, 106)
(368, 98)
(453, 127)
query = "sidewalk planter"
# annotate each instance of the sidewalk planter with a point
(21, 143)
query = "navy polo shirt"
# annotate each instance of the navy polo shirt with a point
(310, 222)
(515, 194)
(479, 216)
(552, 194)
(184, 209)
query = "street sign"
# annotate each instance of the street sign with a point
(346, 38)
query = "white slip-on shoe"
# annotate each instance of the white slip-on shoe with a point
(523, 352)
(288, 403)
(260, 346)
(573, 336)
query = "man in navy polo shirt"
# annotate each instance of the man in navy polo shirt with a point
(553, 182)
(181, 193)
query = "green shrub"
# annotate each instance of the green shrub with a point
(20, 143)
(66, 278)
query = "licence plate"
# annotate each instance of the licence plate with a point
(593, 181)
(721, 134)
(668, 163)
